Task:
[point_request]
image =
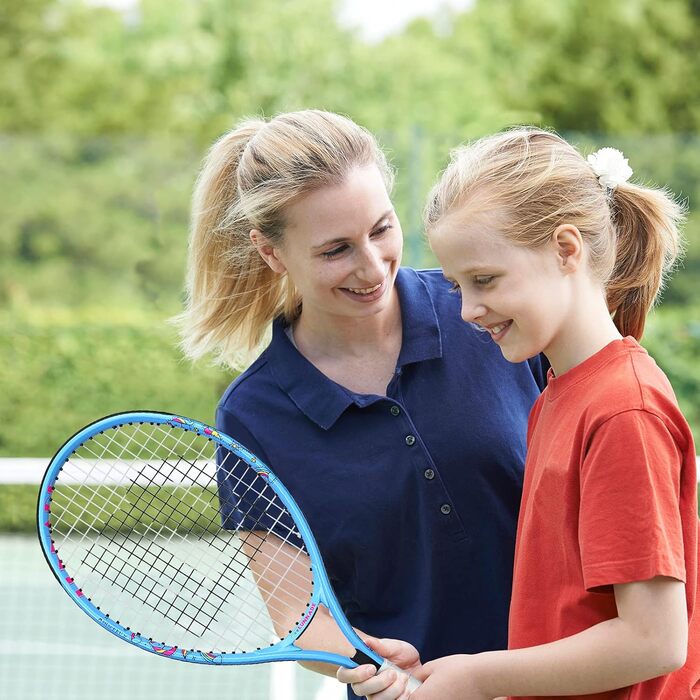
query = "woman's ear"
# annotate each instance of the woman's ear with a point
(268, 252)
(568, 243)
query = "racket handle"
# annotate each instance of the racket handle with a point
(411, 685)
(362, 658)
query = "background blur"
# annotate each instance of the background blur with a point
(106, 110)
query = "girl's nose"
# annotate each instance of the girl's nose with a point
(472, 311)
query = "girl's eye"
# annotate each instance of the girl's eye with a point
(455, 288)
(483, 280)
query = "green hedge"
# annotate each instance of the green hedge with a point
(18, 509)
(59, 372)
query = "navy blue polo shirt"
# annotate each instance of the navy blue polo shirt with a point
(413, 497)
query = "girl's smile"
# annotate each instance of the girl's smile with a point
(516, 294)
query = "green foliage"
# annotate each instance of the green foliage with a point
(104, 118)
(18, 508)
(610, 67)
(672, 338)
(125, 509)
(61, 370)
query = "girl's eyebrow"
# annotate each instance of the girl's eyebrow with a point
(342, 239)
(479, 267)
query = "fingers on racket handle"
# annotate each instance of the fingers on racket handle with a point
(412, 683)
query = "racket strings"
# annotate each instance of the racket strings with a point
(271, 602)
(251, 505)
(210, 590)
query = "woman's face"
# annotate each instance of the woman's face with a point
(342, 246)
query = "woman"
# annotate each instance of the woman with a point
(397, 428)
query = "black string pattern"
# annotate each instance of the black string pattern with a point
(180, 541)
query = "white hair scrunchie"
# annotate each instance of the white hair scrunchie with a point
(611, 167)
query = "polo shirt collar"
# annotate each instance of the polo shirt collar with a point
(323, 400)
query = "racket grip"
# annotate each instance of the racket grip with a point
(411, 685)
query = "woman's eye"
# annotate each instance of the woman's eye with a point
(330, 254)
(383, 229)
(483, 280)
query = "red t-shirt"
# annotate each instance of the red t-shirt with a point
(610, 496)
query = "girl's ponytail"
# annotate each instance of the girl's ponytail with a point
(541, 181)
(646, 223)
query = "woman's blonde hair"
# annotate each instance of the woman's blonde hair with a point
(539, 181)
(249, 177)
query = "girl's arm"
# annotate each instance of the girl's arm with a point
(649, 638)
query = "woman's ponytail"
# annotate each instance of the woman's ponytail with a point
(231, 293)
(247, 182)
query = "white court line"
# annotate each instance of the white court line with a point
(31, 470)
(23, 471)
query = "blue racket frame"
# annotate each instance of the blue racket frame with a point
(285, 649)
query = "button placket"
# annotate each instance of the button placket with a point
(437, 489)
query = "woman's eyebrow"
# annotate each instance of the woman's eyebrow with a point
(342, 239)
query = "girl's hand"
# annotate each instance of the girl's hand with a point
(387, 685)
(451, 678)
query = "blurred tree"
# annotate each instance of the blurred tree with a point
(30, 35)
(104, 116)
(600, 66)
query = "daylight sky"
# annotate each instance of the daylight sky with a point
(375, 19)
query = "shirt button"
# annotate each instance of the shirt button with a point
(395, 410)
(410, 440)
(445, 508)
(429, 474)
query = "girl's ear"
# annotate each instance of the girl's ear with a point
(268, 252)
(568, 243)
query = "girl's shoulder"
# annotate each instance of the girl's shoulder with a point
(631, 382)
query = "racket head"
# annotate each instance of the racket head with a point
(72, 513)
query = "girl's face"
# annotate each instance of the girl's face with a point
(342, 247)
(520, 295)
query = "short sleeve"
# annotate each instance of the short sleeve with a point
(246, 501)
(629, 520)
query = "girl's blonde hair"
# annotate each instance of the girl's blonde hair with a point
(249, 177)
(539, 181)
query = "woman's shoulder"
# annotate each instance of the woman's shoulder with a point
(432, 277)
(253, 382)
(444, 300)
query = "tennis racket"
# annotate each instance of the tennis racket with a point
(175, 538)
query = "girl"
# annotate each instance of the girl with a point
(556, 254)
(352, 400)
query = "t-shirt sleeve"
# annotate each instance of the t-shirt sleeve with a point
(246, 501)
(629, 520)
